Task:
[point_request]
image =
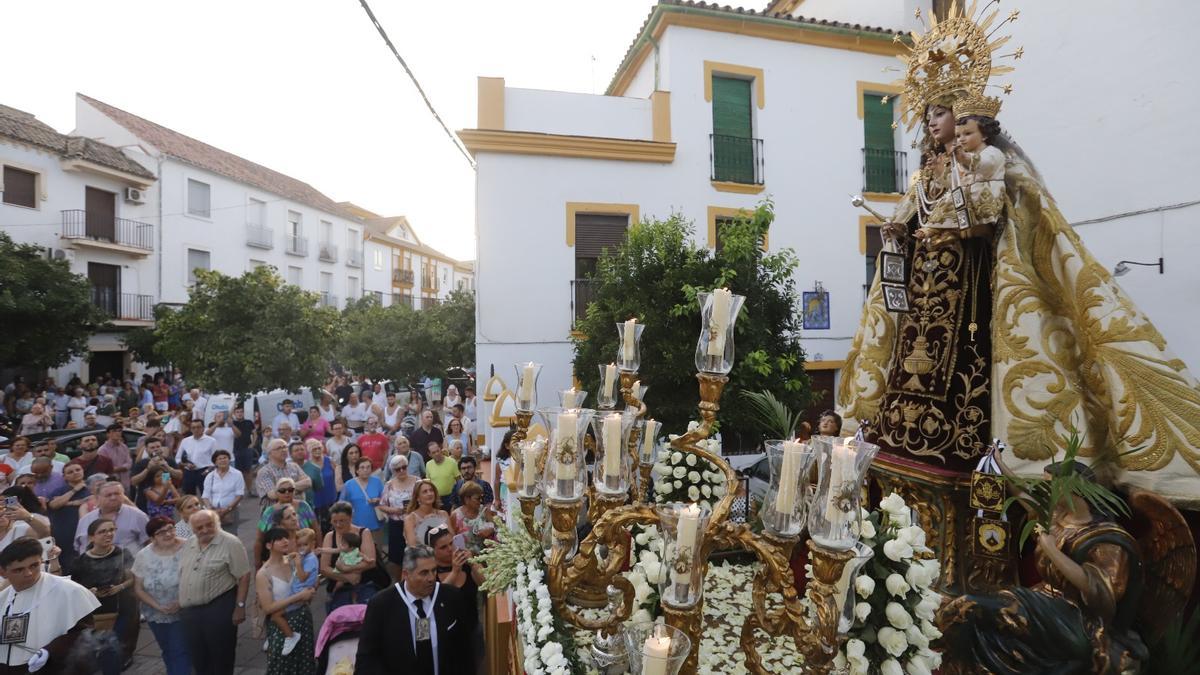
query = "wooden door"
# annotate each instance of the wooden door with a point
(106, 286)
(101, 208)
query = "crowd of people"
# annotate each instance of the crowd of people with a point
(372, 496)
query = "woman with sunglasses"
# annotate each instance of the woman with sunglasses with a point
(104, 569)
(156, 584)
(424, 513)
(397, 494)
(285, 497)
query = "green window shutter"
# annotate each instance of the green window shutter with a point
(879, 144)
(733, 130)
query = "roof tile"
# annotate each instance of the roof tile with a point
(24, 127)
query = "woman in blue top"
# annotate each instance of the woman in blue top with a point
(324, 492)
(364, 493)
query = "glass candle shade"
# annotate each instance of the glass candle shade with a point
(527, 375)
(528, 453)
(844, 589)
(564, 477)
(612, 473)
(683, 528)
(718, 312)
(655, 648)
(571, 398)
(629, 350)
(842, 463)
(648, 442)
(610, 387)
(786, 501)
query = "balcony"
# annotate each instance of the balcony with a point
(733, 159)
(329, 300)
(430, 303)
(328, 252)
(582, 291)
(354, 257)
(429, 282)
(297, 245)
(107, 232)
(403, 277)
(402, 299)
(884, 171)
(259, 236)
(123, 306)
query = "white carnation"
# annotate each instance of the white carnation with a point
(896, 585)
(865, 585)
(892, 641)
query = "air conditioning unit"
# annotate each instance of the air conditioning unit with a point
(60, 254)
(135, 195)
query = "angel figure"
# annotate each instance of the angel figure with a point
(1104, 594)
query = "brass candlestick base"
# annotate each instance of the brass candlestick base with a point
(528, 509)
(643, 489)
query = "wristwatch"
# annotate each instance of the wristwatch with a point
(241, 605)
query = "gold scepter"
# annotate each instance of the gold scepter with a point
(859, 202)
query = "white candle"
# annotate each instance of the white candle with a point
(568, 424)
(841, 471)
(526, 390)
(648, 440)
(529, 466)
(610, 377)
(611, 428)
(655, 653)
(721, 301)
(789, 476)
(571, 398)
(627, 341)
(685, 539)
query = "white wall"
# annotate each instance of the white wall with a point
(577, 114)
(893, 14)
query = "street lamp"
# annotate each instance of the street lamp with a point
(1122, 267)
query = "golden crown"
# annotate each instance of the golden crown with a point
(976, 104)
(952, 60)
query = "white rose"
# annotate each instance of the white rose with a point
(867, 529)
(647, 557)
(641, 616)
(932, 659)
(678, 484)
(892, 641)
(902, 519)
(915, 637)
(896, 585)
(839, 661)
(913, 536)
(928, 605)
(641, 539)
(862, 610)
(855, 648)
(916, 576)
(676, 457)
(693, 425)
(679, 472)
(653, 572)
(893, 503)
(662, 487)
(693, 493)
(865, 586)
(719, 490)
(706, 490)
(859, 665)
(930, 631)
(898, 616)
(891, 667)
(691, 459)
(917, 666)
(662, 470)
(897, 550)
(693, 477)
(707, 505)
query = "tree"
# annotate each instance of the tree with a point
(143, 343)
(249, 333)
(655, 275)
(46, 311)
(402, 344)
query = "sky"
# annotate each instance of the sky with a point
(308, 88)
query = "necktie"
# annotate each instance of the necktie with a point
(424, 647)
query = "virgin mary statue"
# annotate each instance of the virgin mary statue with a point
(1013, 330)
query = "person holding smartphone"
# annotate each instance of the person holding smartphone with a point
(162, 496)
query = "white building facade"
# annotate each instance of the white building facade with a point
(715, 109)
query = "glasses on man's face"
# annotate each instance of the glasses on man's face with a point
(285, 490)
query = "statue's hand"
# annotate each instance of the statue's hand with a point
(894, 230)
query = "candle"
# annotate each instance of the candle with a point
(789, 476)
(568, 424)
(628, 341)
(686, 529)
(655, 653)
(719, 320)
(529, 459)
(526, 391)
(610, 378)
(611, 428)
(841, 471)
(648, 441)
(571, 398)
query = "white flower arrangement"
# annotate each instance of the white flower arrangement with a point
(682, 476)
(894, 602)
(547, 649)
(646, 572)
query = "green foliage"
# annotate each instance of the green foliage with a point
(249, 333)
(1177, 652)
(1043, 497)
(655, 276)
(399, 343)
(773, 416)
(46, 311)
(143, 343)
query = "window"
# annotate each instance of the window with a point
(256, 212)
(594, 234)
(197, 260)
(20, 187)
(295, 275)
(874, 246)
(881, 163)
(733, 138)
(352, 288)
(199, 196)
(326, 232)
(255, 264)
(295, 224)
(721, 223)
(378, 260)
(326, 283)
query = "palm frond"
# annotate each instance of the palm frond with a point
(771, 414)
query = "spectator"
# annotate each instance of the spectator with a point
(103, 568)
(363, 493)
(188, 505)
(467, 468)
(130, 522)
(89, 419)
(443, 471)
(401, 447)
(63, 507)
(155, 463)
(46, 482)
(76, 405)
(28, 509)
(285, 416)
(12, 529)
(472, 519)
(198, 402)
(153, 429)
(62, 407)
(338, 442)
(128, 398)
(18, 458)
(162, 393)
(156, 574)
(285, 498)
(393, 414)
(340, 517)
(161, 495)
(243, 445)
(423, 435)
(451, 398)
(397, 493)
(505, 472)
(388, 644)
(327, 410)
(454, 568)
(455, 434)
(374, 444)
(324, 492)
(343, 390)
(178, 428)
(355, 413)
(424, 513)
(195, 456)
(315, 426)
(276, 467)
(117, 452)
(213, 582)
(223, 432)
(345, 471)
(223, 490)
(273, 588)
(90, 459)
(59, 609)
(470, 406)
(36, 421)
(298, 455)
(49, 448)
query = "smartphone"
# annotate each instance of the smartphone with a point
(166, 476)
(460, 541)
(47, 544)
(11, 502)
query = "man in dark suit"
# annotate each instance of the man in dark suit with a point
(416, 627)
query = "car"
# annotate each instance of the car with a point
(68, 439)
